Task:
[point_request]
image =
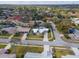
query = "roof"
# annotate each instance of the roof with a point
(10, 29)
(40, 30)
(23, 29)
(17, 17)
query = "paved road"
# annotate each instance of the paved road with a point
(57, 42)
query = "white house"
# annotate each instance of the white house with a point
(40, 30)
(75, 20)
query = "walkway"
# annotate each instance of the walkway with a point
(24, 36)
(75, 50)
(46, 51)
(9, 44)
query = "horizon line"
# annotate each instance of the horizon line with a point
(39, 2)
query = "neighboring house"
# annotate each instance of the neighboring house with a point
(17, 17)
(74, 35)
(10, 30)
(71, 30)
(3, 17)
(23, 29)
(76, 21)
(39, 21)
(40, 30)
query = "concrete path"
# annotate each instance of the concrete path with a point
(9, 44)
(75, 50)
(24, 36)
(46, 51)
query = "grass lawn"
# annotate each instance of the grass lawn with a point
(17, 36)
(51, 38)
(50, 35)
(34, 37)
(21, 50)
(62, 52)
(40, 36)
(5, 35)
(77, 27)
(2, 46)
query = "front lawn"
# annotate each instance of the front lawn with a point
(17, 36)
(5, 35)
(58, 53)
(22, 50)
(51, 36)
(32, 36)
(2, 46)
(77, 27)
(35, 37)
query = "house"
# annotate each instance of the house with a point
(75, 20)
(23, 29)
(10, 30)
(74, 35)
(71, 30)
(17, 17)
(40, 30)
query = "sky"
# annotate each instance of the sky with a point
(39, 2)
